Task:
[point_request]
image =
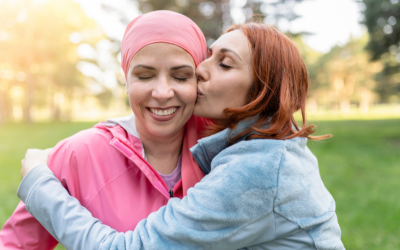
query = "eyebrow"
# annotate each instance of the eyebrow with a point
(181, 66)
(144, 66)
(225, 50)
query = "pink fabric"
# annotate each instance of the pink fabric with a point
(103, 168)
(162, 27)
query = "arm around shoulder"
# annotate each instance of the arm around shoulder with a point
(228, 209)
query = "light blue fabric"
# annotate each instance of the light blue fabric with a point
(259, 194)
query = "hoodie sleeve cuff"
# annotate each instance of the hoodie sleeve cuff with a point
(33, 177)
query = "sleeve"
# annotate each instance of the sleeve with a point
(224, 211)
(22, 230)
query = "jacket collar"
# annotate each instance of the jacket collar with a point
(127, 122)
(207, 148)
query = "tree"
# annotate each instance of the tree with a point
(382, 18)
(213, 17)
(38, 44)
(344, 76)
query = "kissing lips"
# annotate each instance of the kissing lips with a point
(199, 93)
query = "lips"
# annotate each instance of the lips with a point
(163, 114)
(199, 91)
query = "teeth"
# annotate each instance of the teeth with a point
(163, 112)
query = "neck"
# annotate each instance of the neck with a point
(162, 152)
(220, 122)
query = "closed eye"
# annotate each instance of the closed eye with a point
(224, 66)
(145, 78)
(181, 79)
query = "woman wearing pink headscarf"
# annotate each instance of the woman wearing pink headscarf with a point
(124, 169)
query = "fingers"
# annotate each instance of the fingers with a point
(31, 151)
(22, 168)
(33, 158)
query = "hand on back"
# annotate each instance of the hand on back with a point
(34, 158)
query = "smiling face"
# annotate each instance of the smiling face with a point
(162, 89)
(225, 77)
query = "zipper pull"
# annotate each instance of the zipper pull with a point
(171, 193)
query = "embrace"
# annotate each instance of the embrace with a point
(211, 157)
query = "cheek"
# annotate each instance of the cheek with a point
(188, 92)
(136, 93)
(233, 90)
(223, 86)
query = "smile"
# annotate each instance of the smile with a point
(163, 112)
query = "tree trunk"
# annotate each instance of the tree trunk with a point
(5, 105)
(345, 106)
(29, 95)
(365, 102)
(29, 81)
(3, 116)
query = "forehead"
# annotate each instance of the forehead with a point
(235, 40)
(162, 55)
(163, 49)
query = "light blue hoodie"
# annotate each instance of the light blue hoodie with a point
(258, 194)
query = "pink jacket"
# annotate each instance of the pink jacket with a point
(104, 169)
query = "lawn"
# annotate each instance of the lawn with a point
(360, 166)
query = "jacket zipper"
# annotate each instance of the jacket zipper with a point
(128, 152)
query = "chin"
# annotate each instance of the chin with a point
(165, 131)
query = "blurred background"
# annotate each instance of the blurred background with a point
(60, 73)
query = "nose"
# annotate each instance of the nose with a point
(163, 90)
(201, 72)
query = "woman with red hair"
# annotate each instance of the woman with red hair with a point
(262, 188)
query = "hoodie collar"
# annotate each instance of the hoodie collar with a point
(127, 122)
(207, 148)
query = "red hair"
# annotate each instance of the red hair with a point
(279, 89)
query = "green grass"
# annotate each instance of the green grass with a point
(360, 166)
(15, 139)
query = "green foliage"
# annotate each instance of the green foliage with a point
(214, 17)
(38, 59)
(342, 77)
(210, 19)
(359, 166)
(382, 18)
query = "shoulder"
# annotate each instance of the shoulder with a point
(86, 138)
(86, 156)
(252, 164)
(254, 153)
(275, 152)
(78, 148)
(270, 161)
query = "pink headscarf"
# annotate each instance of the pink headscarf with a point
(162, 27)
